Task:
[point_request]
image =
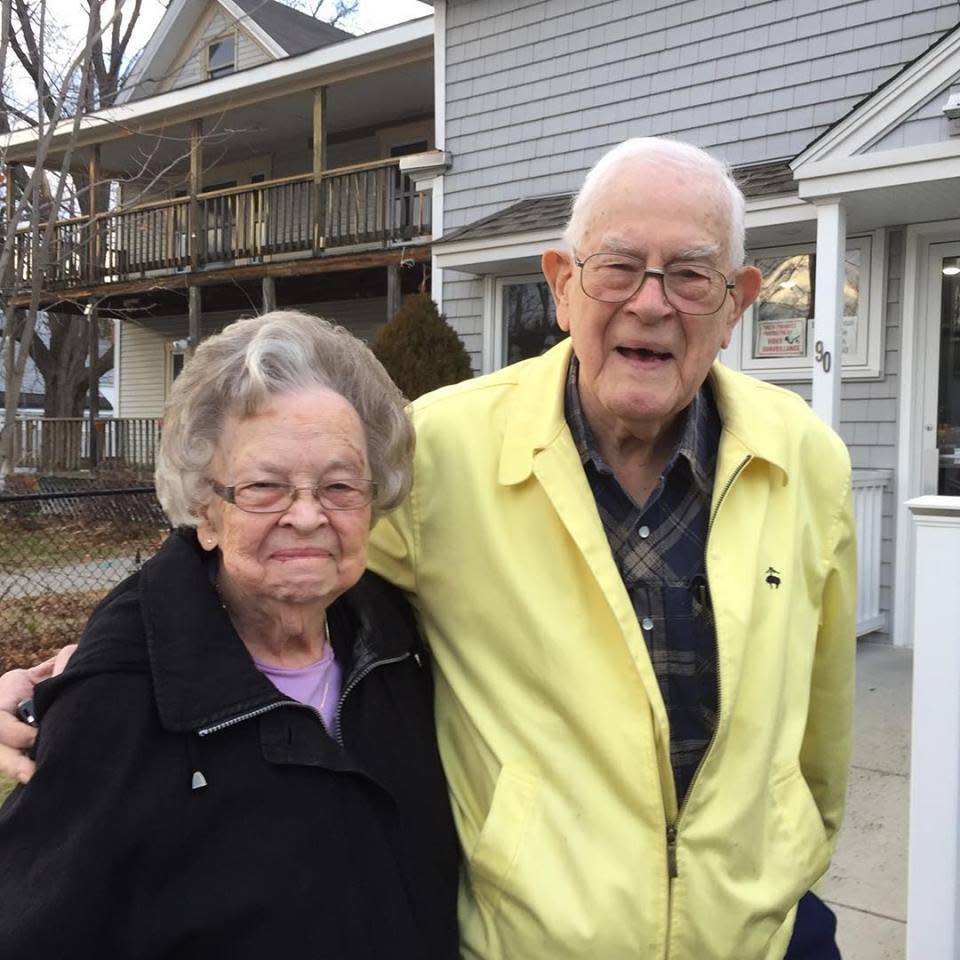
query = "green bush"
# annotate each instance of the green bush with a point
(420, 350)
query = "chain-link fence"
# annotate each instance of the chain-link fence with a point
(63, 546)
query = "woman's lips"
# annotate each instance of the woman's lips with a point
(299, 553)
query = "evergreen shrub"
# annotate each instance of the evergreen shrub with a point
(420, 350)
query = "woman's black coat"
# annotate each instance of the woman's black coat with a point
(183, 808)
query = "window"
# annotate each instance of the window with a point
(775, 339)
(176, 357)
(221, 57)
(526, 320)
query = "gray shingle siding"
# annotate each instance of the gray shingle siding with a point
(550, 85)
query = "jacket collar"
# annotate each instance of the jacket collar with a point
(202, 672)
(536, 416)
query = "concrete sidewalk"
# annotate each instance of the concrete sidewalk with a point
(867, 882)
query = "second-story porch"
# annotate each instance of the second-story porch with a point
(290, 168)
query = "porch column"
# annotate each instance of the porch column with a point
(196, 167)
(393, 291)
(93, 352)
(828, 310)
(933, 885)
(269, 292)
(319, 165)
(93, 258)
(193, 317)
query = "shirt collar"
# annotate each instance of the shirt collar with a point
(698, 442)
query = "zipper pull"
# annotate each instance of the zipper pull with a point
(672, 852)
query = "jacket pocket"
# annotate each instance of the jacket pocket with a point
(802, 838)
(498, 844)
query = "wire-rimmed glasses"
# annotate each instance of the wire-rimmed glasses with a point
(691, 288)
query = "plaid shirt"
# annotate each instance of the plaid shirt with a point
(660, 550)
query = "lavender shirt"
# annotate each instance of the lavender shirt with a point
(317, 684)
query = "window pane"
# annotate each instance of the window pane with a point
(529, 320)
(220, 57)
(783, 325)
(948, 395)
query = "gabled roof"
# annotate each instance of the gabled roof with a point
(295, 31)
(893, 101)
(280, 30)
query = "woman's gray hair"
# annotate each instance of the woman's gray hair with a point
(236, 372)
(663, 150)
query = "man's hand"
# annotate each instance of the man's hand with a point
(17, 737)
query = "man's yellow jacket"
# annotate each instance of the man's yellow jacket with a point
(552, 728)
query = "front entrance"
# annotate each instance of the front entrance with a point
(928, 438)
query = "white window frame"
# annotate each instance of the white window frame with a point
(497, 337)
(865, 364)
(234, 36)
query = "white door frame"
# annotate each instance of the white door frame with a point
(919, 346)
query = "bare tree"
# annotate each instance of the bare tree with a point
(40, 192)
(62, 358)
(334, 14)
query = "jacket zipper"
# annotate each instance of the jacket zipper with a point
(352, 683)
(240, 717)
(249, 715)
(672, 829)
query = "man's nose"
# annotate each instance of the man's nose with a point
(651, 295)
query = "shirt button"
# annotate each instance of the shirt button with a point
(646, 623)
(644, 532)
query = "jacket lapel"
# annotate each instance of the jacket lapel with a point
(537, 442)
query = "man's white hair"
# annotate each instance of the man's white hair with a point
(660, 150)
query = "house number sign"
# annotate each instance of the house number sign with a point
(822, 356)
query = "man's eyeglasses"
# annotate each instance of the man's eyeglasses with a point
(690, 288)
(269, 496)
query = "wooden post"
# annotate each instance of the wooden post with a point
(269, 288)
(10, 209)
(193, 317)
(93, 350)
(319, 165)
(93, 256)
(393, 291)
(196, 166)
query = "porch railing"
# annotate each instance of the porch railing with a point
(369, 203)
(868, 487)
(62, 444)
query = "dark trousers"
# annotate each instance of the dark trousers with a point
(814, 933)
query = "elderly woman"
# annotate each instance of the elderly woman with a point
(240, 757)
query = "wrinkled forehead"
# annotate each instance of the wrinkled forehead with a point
(638, 192)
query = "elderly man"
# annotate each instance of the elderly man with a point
(645, 738)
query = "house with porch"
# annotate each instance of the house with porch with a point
(840, 121)
(255, 158)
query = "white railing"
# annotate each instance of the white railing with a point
(868, 486)
(58, 444)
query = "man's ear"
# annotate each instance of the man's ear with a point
(748, 280)
(747, 288)
(558, 269)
